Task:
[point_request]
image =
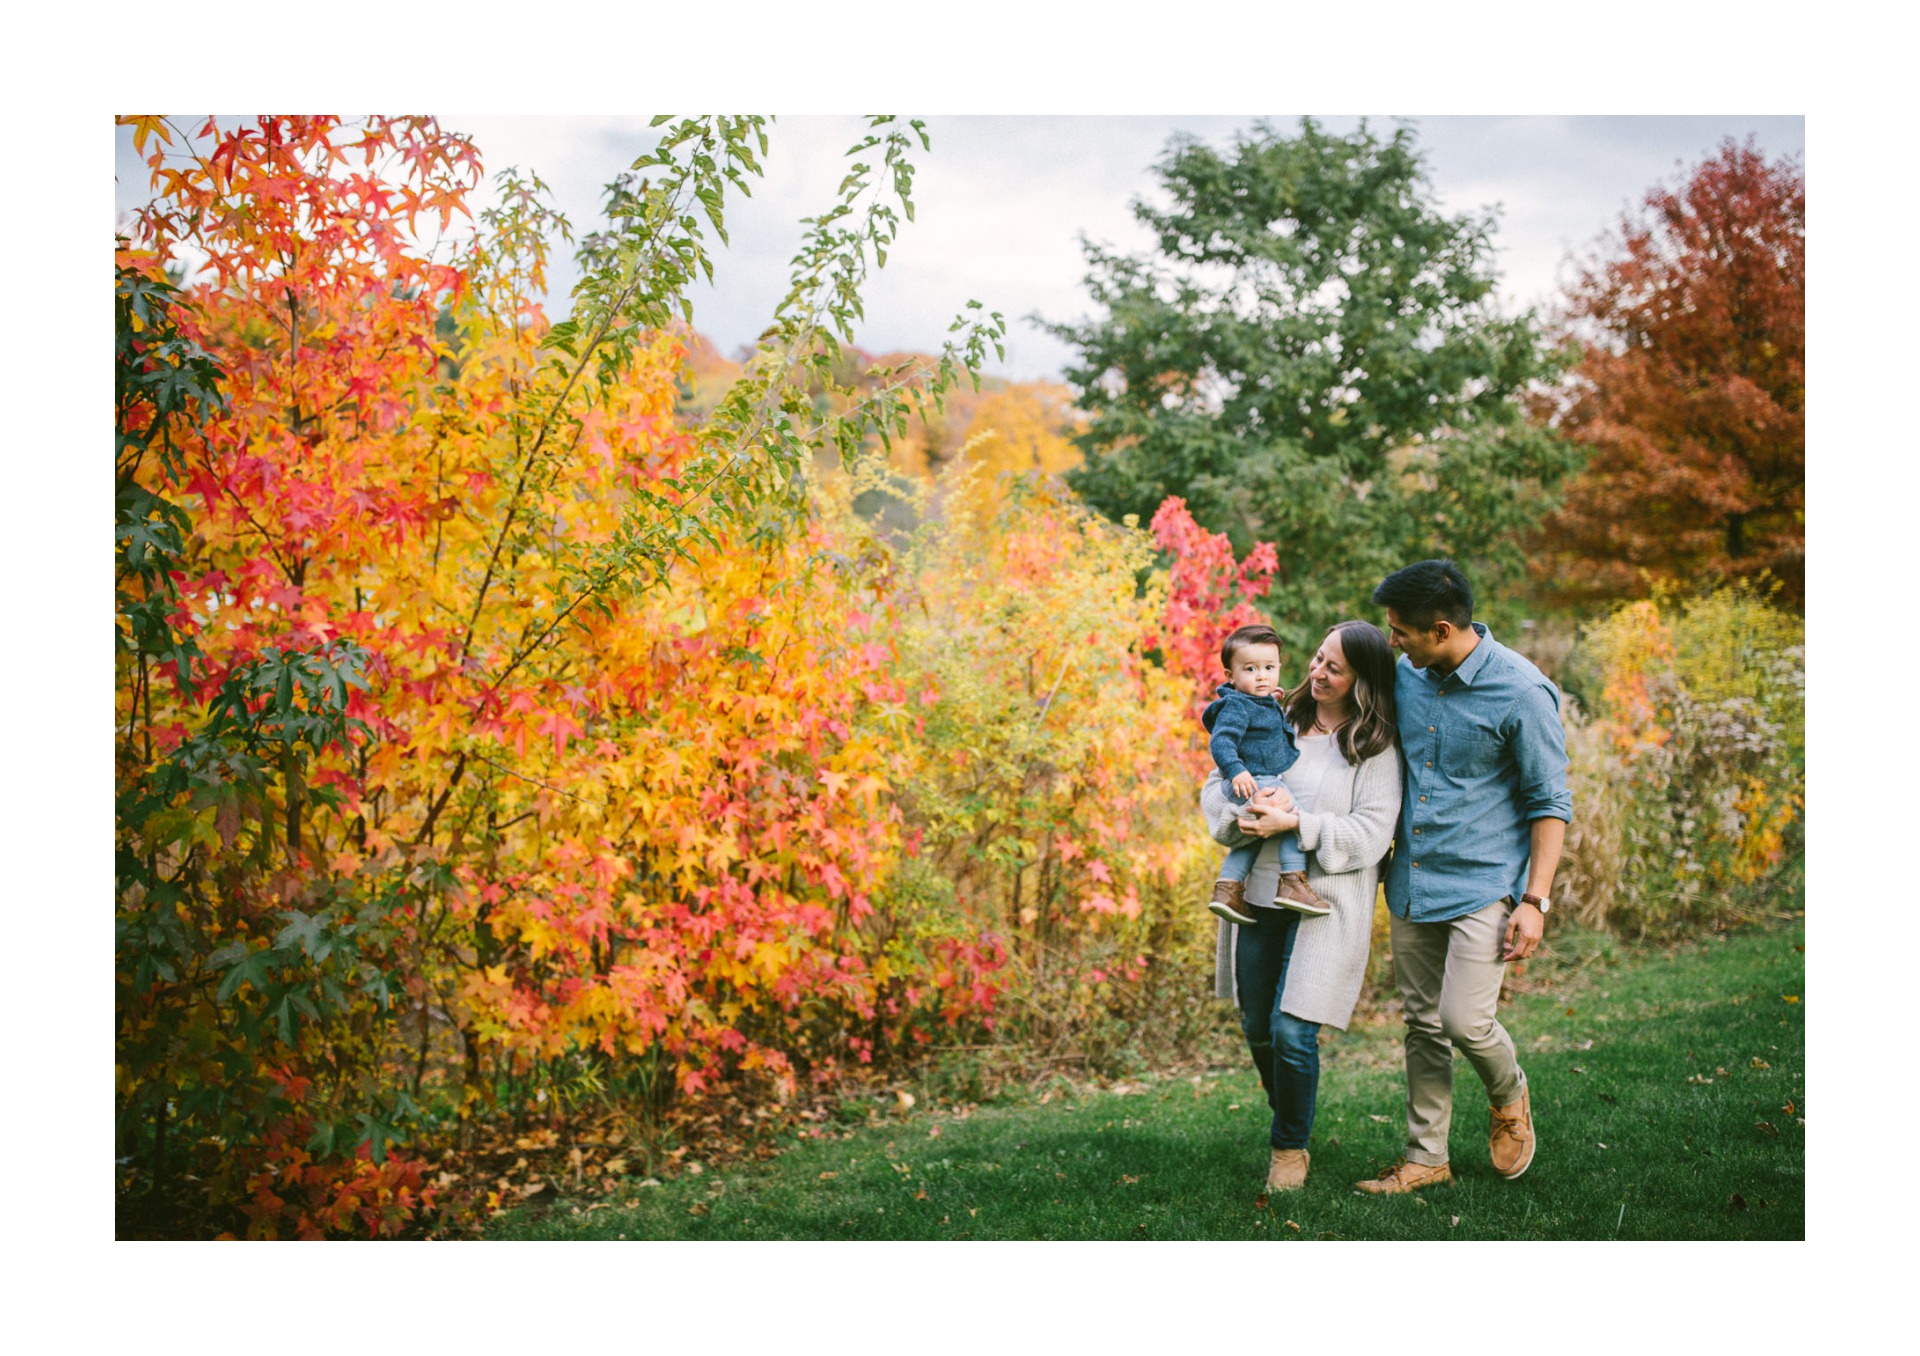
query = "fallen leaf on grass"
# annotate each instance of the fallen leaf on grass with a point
(825, 1176)
(1759, 1063)
(1124, 1180)
(1767, 1128)
(1295, 1227)
(921, 1194)
(1372, 1117)
(1696, 1078)
(1788, 1108)
(1456, 1223)
(1260, 1201)
(697, 1208)
(1789, 998)
(1576, 1069)
(1234, 1107)
(1737, 1201)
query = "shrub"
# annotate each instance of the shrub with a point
(1689, 783)
(1047, 780)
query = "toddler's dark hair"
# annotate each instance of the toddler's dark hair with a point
(1244, 636)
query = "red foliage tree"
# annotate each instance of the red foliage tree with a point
(1692, 390)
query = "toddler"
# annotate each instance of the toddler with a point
(1251, 741)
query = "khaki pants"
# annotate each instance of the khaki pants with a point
(1449, 976)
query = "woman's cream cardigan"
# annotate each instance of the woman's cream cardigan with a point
(1345, 838)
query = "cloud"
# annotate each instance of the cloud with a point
(1002, 202)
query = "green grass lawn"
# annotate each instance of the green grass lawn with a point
(1668, 1097)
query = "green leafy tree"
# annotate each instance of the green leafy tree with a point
(1312, 356)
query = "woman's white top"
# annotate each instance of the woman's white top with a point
(1317, 754)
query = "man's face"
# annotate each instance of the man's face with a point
(1420, 647)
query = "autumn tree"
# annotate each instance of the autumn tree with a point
(1692, 389)
(473, 713)
(1311, 355)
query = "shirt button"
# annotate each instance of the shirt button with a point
(1416, 832)
(1416, 866)
(1429, 762)
(1429, 729)
(1423, 800)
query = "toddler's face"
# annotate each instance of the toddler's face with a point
(1256, 670)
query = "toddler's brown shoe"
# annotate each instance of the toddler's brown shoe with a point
(1294, 893)
(1230, 901)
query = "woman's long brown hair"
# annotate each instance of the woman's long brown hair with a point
(1370, 659)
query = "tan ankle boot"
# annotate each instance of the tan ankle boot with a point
(1288, 1171)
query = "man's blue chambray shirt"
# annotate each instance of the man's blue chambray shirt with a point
(1484, 756)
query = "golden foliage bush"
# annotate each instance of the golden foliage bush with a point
(1690, 779)
(1047, 784)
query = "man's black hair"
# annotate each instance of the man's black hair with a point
(1426, 592)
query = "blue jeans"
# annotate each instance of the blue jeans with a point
(1239, 862)
(1285, 1049)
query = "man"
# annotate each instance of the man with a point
(1482, 821)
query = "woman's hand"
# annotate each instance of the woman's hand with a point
(1270, 812)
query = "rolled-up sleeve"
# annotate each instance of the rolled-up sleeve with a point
(1539, 744)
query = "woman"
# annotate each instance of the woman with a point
(1292, 974)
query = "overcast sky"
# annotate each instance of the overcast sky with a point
(1001, 202)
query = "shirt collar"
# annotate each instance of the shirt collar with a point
(1477, 660)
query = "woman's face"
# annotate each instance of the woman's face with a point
(1328, 677)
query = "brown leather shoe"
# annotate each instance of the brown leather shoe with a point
(1288, 1171)
(1230, 901)
(1510, 1139)
(1404, 1176)
(1294, 893)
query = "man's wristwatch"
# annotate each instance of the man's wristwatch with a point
(1539, 902)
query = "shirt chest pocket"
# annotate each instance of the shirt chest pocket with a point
(1473, 753)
